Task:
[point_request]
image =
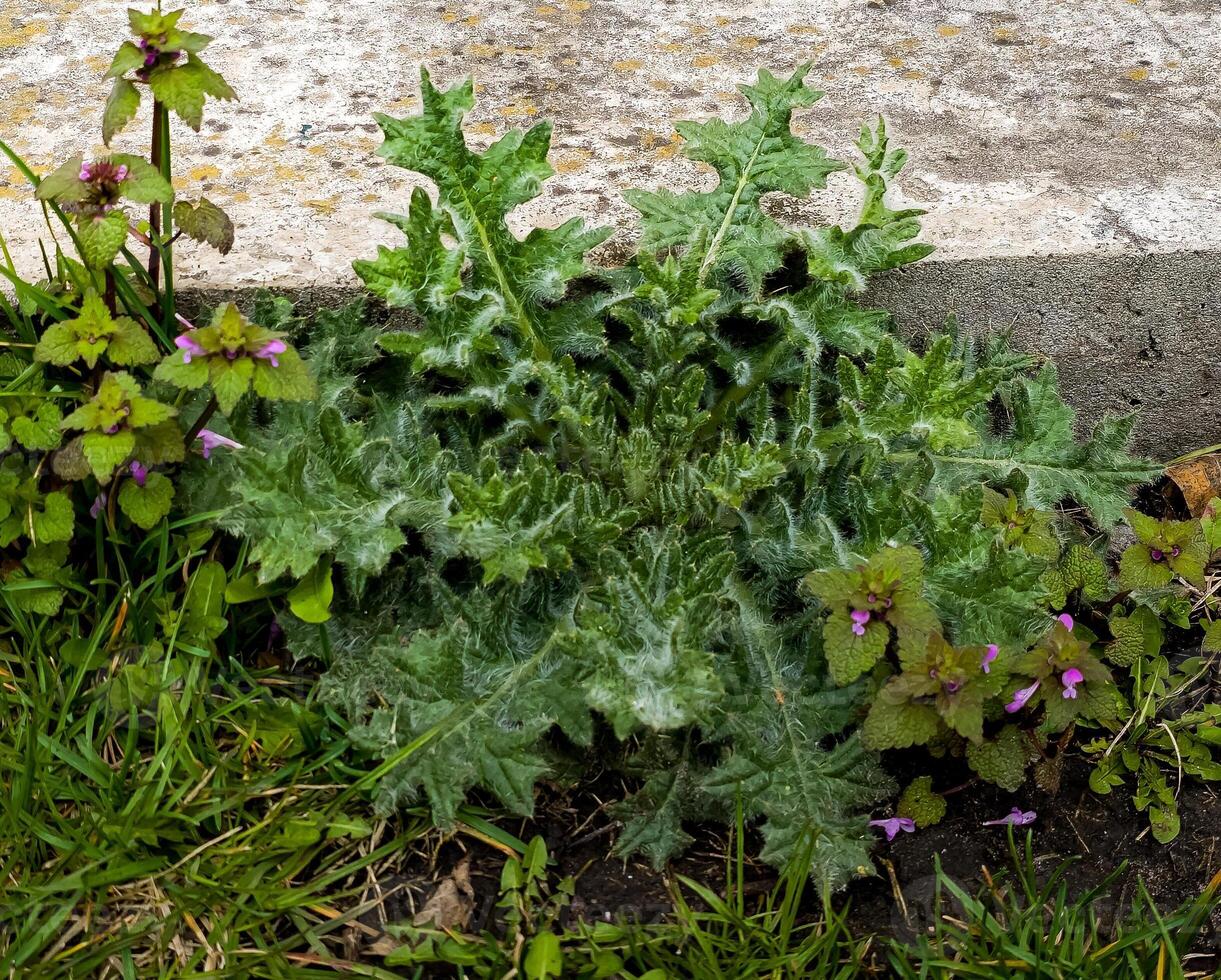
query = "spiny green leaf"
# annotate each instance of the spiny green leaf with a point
(752, 157)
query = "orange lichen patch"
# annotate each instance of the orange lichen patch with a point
(722, 21)
(482, 50)
(628, 64)
(239, 197)
(895, 62)
(518, 109)
(861, 69)
(1138, 74)
(287, 172)
(746, 43)
(660, 84)
(572, 162)
(275, 141)
(482, 129)
(369, 198)
(546, 11)
(672, 47)
(705, 60)
(13, 193)
(949, 30)
(1004, 34)
(671, 147)
(913, 75)
(12, 36)
(324, 206)
(206, 172)
(577, 6)
(568, 62)
(908, 44)
(449, 17)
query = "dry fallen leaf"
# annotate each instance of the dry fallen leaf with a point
(1199, 480)
(451, 904)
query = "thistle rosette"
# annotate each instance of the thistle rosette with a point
(1027, 528)
(233, 355)
(1163, 550)
(1061, 673)
(868, 605)
(93, 191)
(166, 59)
(115, 424)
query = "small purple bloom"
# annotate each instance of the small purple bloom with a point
(991, 654)
(1070, 679)
(859, 618)
(189, 347)
(139, 473)
(1014, 818)
(212, 440)
(951, 687)
(99, 502)
(1066, 621)
(1175, 552)
(86, 174)
(1155, 554)
(892, 826)
(1020, 697)
(270, 349)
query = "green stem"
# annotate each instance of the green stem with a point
(154, 209)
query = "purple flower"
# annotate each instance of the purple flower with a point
(1020, 697)
(273, 347)
(86, 173)
(139, 473)
(859, 618)
(212, 440)
(1014, 818)
(189, 347)
(1070, 679)
(892, 825)
(1156, 554)
(1066, 621)
(991, 654)
(99, 502)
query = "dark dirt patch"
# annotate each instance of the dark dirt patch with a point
(1101, 832)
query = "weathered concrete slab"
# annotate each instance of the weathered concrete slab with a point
(1036, 126)
(1056, 138)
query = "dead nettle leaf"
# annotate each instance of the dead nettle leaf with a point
(451, 904)
(1198, 479)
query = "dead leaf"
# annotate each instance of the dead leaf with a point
(451, 904)
(1199, 480)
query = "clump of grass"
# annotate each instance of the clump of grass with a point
(1019, 927)
(207, 825)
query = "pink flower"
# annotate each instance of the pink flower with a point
(1014, 818)
(859, 618)
(99, 503)
(892, 826)
(138, 473)
(1020, 697)
(1066, 621)
(269, 351)
(991, 654)
(189, 347)
(1070, 679)
(212, 440)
